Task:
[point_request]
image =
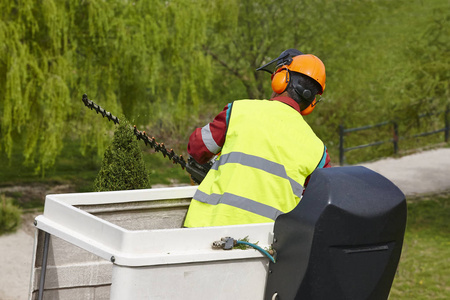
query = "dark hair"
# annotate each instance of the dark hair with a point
(306, 82)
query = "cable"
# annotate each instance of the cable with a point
(257, 248)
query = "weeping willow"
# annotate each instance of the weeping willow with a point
(133, 57)
(160, 62)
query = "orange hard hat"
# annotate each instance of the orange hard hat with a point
(309, 65)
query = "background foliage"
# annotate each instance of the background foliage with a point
(170, 66)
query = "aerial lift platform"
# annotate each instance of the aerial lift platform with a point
(342, 241)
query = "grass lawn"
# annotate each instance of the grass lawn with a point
(424, 269)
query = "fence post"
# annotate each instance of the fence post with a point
(447, 123)
(341, 144)
(395, 139)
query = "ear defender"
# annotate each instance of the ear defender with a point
(280, 81)
(309, 109)
(304, 94)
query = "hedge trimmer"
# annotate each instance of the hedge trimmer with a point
(196, 170)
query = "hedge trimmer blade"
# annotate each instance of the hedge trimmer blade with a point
(197, 171)
(99, 109)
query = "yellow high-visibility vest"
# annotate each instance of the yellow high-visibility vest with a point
(269, 151)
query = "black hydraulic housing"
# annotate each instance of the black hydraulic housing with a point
(342, 241)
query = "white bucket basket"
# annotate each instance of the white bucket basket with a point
(130, 245)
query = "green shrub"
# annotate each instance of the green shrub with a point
(10, 216)
(123, 166)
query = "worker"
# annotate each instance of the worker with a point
(267, 150)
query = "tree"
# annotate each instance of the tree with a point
(161, 63)
(138, 58)
(123, 166)
(244, 35)
(429, 68)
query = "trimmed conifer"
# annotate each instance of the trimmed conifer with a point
(10, 215)
(123, 165)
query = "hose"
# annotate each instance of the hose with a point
(272, 259)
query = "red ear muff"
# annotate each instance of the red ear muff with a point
(309, 109)
(280, 81)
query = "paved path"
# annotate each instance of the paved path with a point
(16, 251)
(421, 173)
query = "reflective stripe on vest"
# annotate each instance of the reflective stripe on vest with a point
(259, 163)
(239, 202)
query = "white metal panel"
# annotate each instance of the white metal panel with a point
(224, 280)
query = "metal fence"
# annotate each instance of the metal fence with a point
(395, 134)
